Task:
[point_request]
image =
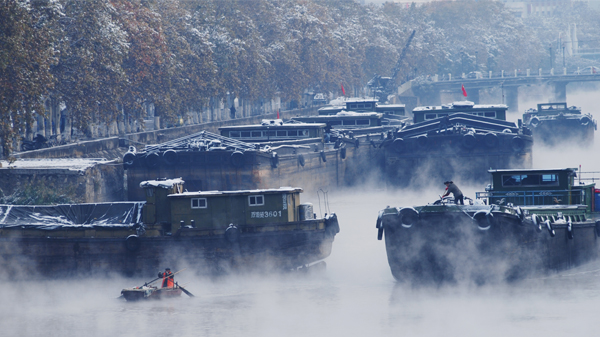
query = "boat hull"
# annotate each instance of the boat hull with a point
(150, 293)
(25, 253)
(450, 244)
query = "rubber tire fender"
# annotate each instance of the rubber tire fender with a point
(379, 226)
(343, 152)
(483, 219)
(301, 160)
(274, 160)
(128, 159)
(570, 230)
(133, 243)
(409, 216)
(468, 141)
(237, 159)
(398, 145)
(534, 121)
(152, 159)
(585, 120)
(422, 142)
(491, 140)
(537, 223)
(323, 156)
(550, 229)
(517, 144)
(232, 234)
(170, 157)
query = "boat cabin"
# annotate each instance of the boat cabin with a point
(365, 105)
(534, 187)
(424, 113)
(549, 110)
(171, 207)
(345, 120)
(274, 130)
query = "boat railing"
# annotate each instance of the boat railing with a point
(592, 176)
(530, 198)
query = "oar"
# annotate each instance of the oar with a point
(186, 292)
(158, 278)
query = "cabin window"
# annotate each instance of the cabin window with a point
(430, 116)
(245, 134)
(281, 133)
(362, 122)
(234, 134)
(530, 180)
(270, 133)
(347, 122)
(198, 202)
(256, 200)
(256, 134)
(335, 123)
(292, 133)
(490, 114)
(303, 133)
(352, 106)
(361, 106)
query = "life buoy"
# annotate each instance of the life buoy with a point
(483, 219)
(517, 144)
(237, 159)
(152, 159)
(550, 229)
(343, 152)
(323, 156)
(170, 157)
(491, 140)
(132, 243)
(274, 160)
(409, 217)
(301, 161)
(468, 141)
(232, 234)
(534, 122)
(128, 159)
(398, 144)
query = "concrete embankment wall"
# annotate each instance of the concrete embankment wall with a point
(105, 182)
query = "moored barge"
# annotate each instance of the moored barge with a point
(210, 231)
(528, 223)
(555, 123)
(461, 140)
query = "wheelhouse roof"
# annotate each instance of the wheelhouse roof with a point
(275, 126)
(533, 170)
(460, 105)
(240, 192)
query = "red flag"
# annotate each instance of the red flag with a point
(463, 90)
(343, 91)
(277, 113)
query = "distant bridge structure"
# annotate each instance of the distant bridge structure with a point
(430, 91)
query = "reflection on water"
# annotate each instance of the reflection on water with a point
(355, 296)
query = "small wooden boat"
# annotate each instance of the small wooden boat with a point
(150, 292)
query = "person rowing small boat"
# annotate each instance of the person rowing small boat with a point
(169, 288)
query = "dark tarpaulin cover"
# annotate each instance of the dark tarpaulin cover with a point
(114, 214)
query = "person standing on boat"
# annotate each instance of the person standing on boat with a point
(168, 278)
(451, 188)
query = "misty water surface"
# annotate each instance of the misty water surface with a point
(355, 296)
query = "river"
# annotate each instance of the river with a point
(355, 295)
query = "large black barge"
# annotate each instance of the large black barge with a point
(528, 223)
(555, 124)
(214, 231)
(459, 140)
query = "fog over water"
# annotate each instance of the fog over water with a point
(355, 296)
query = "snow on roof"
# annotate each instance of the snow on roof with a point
(460, 104)
(166, 183)
(72, 164)
(214, 193)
